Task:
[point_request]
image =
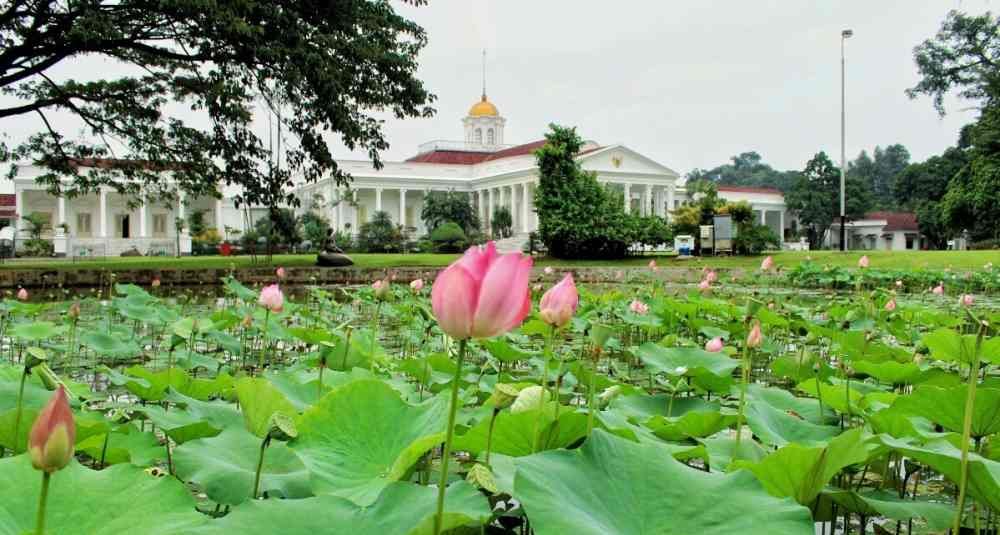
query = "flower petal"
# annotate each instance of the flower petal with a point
(502, 296)
(453, 299)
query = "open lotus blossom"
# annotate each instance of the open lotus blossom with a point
(559, 303)
(22, 294)
(863, 262)
(381, 288)
(53, 435)
(966, 300)
(638, 307)
(280, 272)
(938, 290)
(417, 284)
(482, 294)
(548, 270)
(890, 305)
(714, 345)
(704, 285)
(653, 266)
(271, 298)
(767, 264)
(755, 338)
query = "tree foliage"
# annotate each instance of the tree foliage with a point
(380, 235)
(449, 206)
(879, 172)
(816, 197)
(502, 223)
(318, 67)
(746, 169)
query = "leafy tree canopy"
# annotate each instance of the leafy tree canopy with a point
(746, 169)
(449, 206)
(816, 197)
(879, 172)
(319, 67)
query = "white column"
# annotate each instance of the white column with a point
(62, 209)
(628, 196)
(181, 208)
(340, 208)
(524, 207)
(647, 201)
(781, 223)
(104, 213)
(378, 199)
(670, 202)
(357, 213)
(18, 207)
(534, 210)
(763, 216)
(143, 228)
(481, 201)
(220, 222)
(489, 210)
(402, 207)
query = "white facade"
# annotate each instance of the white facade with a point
(884, 231)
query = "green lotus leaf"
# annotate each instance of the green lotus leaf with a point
(362, 436)
(841, 398)
(779, 428)
(693, 424)
(118, 499)
(946, 406)
(513, 433)
(125, 444)
(890, 371)
(107, 345)
(224, 467)
(402, 508)
(641, 407)
(722, 451)
(610, 487)
(712, 371)
(259, 400)
(950, 346)
(943, 456)
(939, 516)
(503, 351)
(36, 331)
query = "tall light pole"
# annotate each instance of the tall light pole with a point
(844, 35)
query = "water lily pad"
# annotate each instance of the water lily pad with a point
(778, 428)
(938, 516)
(610, 487)
(946, 406)
(712, 371)
(259, 400)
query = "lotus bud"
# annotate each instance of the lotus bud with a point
(53, 435)
(755, 337)
(638, 307)
(381, 288)
(966, 300)
(711, 276)
(281, 273)
(704, 285)
(417, 284)
(74, 310)
(890, 305)
(653, 266)
(548, 270)
(899, 284)
(714, 345)
(939, 289)
(559, 303)
(767, 264)
(271, 298)
(155, 283)
(863, 262)
(22, 295)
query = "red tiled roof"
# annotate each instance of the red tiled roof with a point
(457, 157)
(896, 220)
(8, 199)
(748, 189)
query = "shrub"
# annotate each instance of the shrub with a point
(441, 207)
(502, 223)
(315, 229)
(380, 235)
(281, 226)
(448, 238)
(755, 239)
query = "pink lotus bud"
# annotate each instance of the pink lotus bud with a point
(483, 294)
(53, 435)
(155, 283)
(938, 290)
(653, 266)
(890, 305)
(559, 303)
(966, 300)
(620, 275)
(711, 276)
(381, 288)
(271, 298)
(714, 345)
(767, 264)
(704, 285)
(638, 307)
(280, 272)
(863, 262)
(755, 337)
(417, 284)
(899, 284)
(74, 310)
(22, 294)
(548, 270)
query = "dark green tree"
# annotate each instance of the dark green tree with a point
(320, 68)
(577, 216)
(746, 169)
(970, 203)
(315, 229)
(443, 206)
(879, 172)
(928, 180)
(380, 235)
(502, 223)
(280, 226)
(816, 198)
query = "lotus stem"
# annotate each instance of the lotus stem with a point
(590, 392)
(43, 499)
(546, 355)
(489, 435)
(744, 376)
(260, 467)
(970, 400)
(449, 435)
(260, 360)
(20, 408)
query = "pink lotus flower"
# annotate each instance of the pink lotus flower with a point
(381, 288)
(22, 294)
(767, 264)
(638, 307)
(704, 285)
(417, 284)
(155, 283)
(890, 305)
(74, 310)
(271, 298)
(53, 435)
(548, 270)
(559, 303)
(714, 345)
(755, 337)
(653, 266)
(966, 300)
(863, 262)
(482, 294)
(711, 276)
(939, 289)
(899, 284)
(280, 272)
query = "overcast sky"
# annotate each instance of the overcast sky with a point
(687, 82)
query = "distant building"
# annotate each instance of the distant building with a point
(888, 231)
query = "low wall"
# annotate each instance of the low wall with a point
(83, 278)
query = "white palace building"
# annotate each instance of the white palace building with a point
(492, 172)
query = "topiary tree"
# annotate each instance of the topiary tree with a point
(380, 235)
(577, 216)
(448, 238)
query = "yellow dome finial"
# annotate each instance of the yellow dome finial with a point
(484, 108)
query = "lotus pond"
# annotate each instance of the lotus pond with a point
(654, 410)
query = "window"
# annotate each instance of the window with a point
(909, 241)
(122, 226)
(83, 228)
(489, 137)
(479, 136)
(159, 225)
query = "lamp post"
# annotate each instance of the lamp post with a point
(844, 35)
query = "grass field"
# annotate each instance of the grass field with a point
(961, 260)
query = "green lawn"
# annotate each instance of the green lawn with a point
(879, 259)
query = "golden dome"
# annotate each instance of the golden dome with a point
(483, 108)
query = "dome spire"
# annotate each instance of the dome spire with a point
(484, 75)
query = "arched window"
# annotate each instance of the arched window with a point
(479, 136)
(489, 137)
